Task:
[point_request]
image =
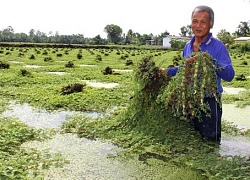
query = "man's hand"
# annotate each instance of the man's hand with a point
(162, 72)
(192, 59)
(195, 57)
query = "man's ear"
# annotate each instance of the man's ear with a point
(211, 25)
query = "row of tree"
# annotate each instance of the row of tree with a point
(115, 35)
(114, 32)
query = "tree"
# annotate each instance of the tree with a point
(165, 33)
(142, 38)
(129, 36)
(8, 34)
(114, 33)
(186, 30)
(243, 29)
(189, 30)
(32, 34)
(97, 40)
(225, 37)
(159, 38)
(183, 31)
(21, 37)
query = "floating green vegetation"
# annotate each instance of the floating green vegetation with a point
(22, 163)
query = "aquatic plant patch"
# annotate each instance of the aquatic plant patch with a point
(20, 163)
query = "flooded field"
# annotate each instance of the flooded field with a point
(40, 118)
(93, 159)
(88, 159)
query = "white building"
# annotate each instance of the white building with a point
(166, 40)
(242, 40)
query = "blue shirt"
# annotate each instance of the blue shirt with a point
(218, 51)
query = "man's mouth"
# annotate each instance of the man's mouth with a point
(198, 30)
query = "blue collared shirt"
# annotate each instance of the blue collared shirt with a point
(218, 51)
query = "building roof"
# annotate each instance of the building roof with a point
(242, 39)
(178, 37)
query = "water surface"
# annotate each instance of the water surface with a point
(41, 118)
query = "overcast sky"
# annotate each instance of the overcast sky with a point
(89, 17)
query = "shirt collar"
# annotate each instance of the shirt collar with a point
(206, 42)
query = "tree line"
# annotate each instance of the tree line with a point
(115, 35)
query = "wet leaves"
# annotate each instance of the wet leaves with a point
(196, 79)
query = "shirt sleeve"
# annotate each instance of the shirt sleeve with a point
(172, 71)
(224, 65)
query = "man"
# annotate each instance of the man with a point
(202, 20)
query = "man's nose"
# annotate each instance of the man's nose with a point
(198, 24)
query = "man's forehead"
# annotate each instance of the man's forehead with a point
(200, 14)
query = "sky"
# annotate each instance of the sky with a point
(89, 17)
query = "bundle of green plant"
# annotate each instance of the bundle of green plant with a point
(24, 72)
(79, 56)
(129, 62)
(107, 70)
(45, 52)
(70, 64)
(144, 111)
(98, 57)
(72, 88)
(195, 80)
(150, 80)
(32, 56)
(4, 65)
(177, 59)
(241, 77)
(46, 59)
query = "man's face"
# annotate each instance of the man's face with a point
(201, 24)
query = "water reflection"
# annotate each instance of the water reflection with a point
(41, 118)
(100, 84)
